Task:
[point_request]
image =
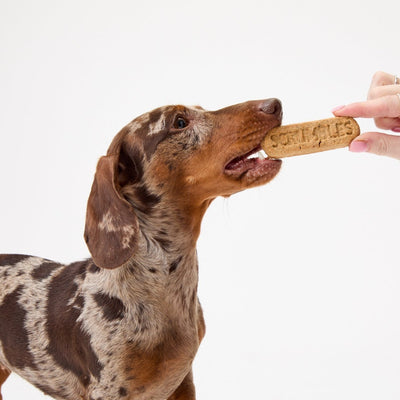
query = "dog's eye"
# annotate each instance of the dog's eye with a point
(180, 122)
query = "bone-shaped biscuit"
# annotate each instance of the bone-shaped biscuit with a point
(310, 137)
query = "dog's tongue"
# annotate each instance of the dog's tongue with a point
(253, 161)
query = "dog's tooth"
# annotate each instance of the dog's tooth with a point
(261, 155)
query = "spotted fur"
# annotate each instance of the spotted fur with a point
(126, 323)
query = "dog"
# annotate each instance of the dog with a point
(126, 323)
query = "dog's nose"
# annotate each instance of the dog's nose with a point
(271, 106)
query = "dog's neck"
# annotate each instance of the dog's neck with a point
(174, 227)
(165, 265)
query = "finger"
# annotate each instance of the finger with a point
(384, 107)
(377, 143)
(381, 78)
(381, 91)
(388, 123)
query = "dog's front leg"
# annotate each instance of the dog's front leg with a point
(4, 373)
(186, 390)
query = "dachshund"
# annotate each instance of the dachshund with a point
(127, 323)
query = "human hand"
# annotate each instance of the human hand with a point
(383, 104)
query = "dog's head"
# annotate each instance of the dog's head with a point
(180, 157)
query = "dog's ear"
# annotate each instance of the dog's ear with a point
(111, 225)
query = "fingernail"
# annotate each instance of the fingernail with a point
(358, 146)
(338, 108)
(397, 129)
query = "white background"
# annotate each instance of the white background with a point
(300, 279)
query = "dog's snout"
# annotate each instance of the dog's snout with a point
(271, 106)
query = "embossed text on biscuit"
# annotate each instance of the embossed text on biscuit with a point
(310, 137)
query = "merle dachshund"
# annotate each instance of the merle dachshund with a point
(127, 323)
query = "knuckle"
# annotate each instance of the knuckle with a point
(381, 146)
(386, 123)
(378, 78)
(381, 123)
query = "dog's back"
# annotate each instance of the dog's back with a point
(39, 305)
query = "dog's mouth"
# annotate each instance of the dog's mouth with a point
(253, 164)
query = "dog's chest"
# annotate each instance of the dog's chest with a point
(143, 352)
(143, 374)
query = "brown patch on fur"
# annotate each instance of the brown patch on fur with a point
(162, 368)
(69, 343)
(13, 334)
(4, 374)
(112, 307)
(11, 259)
(43, 271)
(186, 390)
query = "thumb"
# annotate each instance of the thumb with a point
(377, 143)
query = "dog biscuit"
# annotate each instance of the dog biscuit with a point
(310, 137)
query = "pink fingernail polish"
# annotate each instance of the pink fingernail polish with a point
(358, 146)
(338, 108)
(397, 129)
